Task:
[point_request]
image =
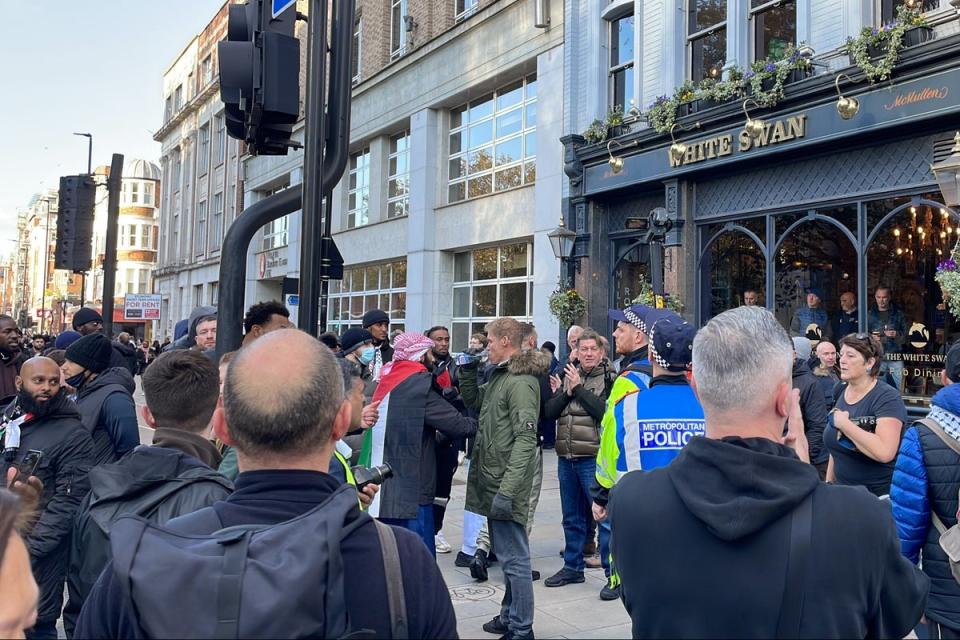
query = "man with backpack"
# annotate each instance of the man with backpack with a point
(924, 493)
(289, 553)
(176, 476)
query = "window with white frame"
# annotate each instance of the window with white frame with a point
(197, 295)
(774, 24)
(177, 169)
(214, 294)
(398, 28)
(178, 99)
(175, 248)
(493, 142)
(168, 108)
(275, 233)
(216, 232)
(219, 125)
(355, 54)
(131, 281)
(148, 190)
(706, 38)
(206, 70)
(143, 281)
(358, 192)
(203, 149)
(364, 288)
(621, 62)
(131, 236)
(200, 239)
(398, 182)
(464, 8)
(146, 236)
(490, 283)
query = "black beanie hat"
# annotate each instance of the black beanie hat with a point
(91, 352)
(85, 315)
(353, 338)
(374, 316)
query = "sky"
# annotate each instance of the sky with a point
(83, 66)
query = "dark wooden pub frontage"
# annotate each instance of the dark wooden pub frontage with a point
(819, 201)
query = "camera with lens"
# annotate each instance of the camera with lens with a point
(363, 476)
(867, 423)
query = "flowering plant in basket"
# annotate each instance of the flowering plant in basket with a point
(948, 277)
(567, 305)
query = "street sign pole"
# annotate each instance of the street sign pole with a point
(110, 251)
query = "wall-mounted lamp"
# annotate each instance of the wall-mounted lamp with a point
(541, 14)
(947, 174)
(753, 127)
(679, 149)
(616, 162)
(846, 107)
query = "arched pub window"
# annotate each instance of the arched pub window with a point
(630, 271)
(816, 251)
(907, 238)
(733, 263)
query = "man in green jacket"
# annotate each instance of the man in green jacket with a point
(504, 458)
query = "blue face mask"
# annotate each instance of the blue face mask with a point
(366, 356)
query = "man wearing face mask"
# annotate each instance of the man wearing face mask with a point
(411, 411)
(104, 396)
(377, 322)
(356, 345)
(43, 419)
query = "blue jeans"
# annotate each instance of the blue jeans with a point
(576, 476)
(512, 546)
(422, 526)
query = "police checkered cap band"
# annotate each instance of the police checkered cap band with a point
(635, 320)
(660, 360)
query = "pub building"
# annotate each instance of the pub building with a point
(814, 201)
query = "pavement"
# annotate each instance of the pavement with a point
(573, 611)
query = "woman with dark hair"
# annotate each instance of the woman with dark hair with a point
(18, 606)
(864, 429)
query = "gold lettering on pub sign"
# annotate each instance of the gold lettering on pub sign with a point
(774, 132)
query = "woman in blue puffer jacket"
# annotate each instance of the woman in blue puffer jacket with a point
(926, 480)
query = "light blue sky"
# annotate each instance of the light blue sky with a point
(82, 65)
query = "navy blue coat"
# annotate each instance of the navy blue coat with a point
(927, 478)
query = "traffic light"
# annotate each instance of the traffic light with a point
(260, 76)
(75, 223)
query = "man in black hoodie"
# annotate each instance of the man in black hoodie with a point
(43, 419)
(738, 537)
(104, 396)
(176, 476)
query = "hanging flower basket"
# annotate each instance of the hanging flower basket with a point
(876, 50)
(948, 277)
(567, 305)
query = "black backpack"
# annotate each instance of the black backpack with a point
(195, 579)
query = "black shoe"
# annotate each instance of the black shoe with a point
(478, 569)
(564, 577)
(463, 560)
(609, 593)
(492, 558)
(495, 626)
(535, 575)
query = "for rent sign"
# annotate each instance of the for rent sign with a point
(140, 306)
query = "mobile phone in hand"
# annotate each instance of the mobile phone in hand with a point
(28, 466)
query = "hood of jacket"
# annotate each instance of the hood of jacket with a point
(156, 472)
(948, 399)
(530, 362)
(198, 313)
(800, 367)
(116, 375)
(125, 349)
(737, 486)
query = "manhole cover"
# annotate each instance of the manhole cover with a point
(471, 592)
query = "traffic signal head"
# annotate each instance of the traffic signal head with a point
(75, 223)
(260, 76)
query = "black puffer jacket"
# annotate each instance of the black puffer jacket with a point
(814, 410)
(67, 458)
(124, 355)
(153, 482)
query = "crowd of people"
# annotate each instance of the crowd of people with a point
(731, 481)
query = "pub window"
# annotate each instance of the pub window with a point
(706, 38)
(631, 271)
(888, 8)
(621, 62)
(774, 27)
(815, 256)
(904, 303)
(736, 268)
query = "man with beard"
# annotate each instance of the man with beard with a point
(42, 419)
(448, 450)
(411, 412)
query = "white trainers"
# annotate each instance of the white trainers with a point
(441, 544)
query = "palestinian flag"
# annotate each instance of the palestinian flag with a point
(397, 438)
